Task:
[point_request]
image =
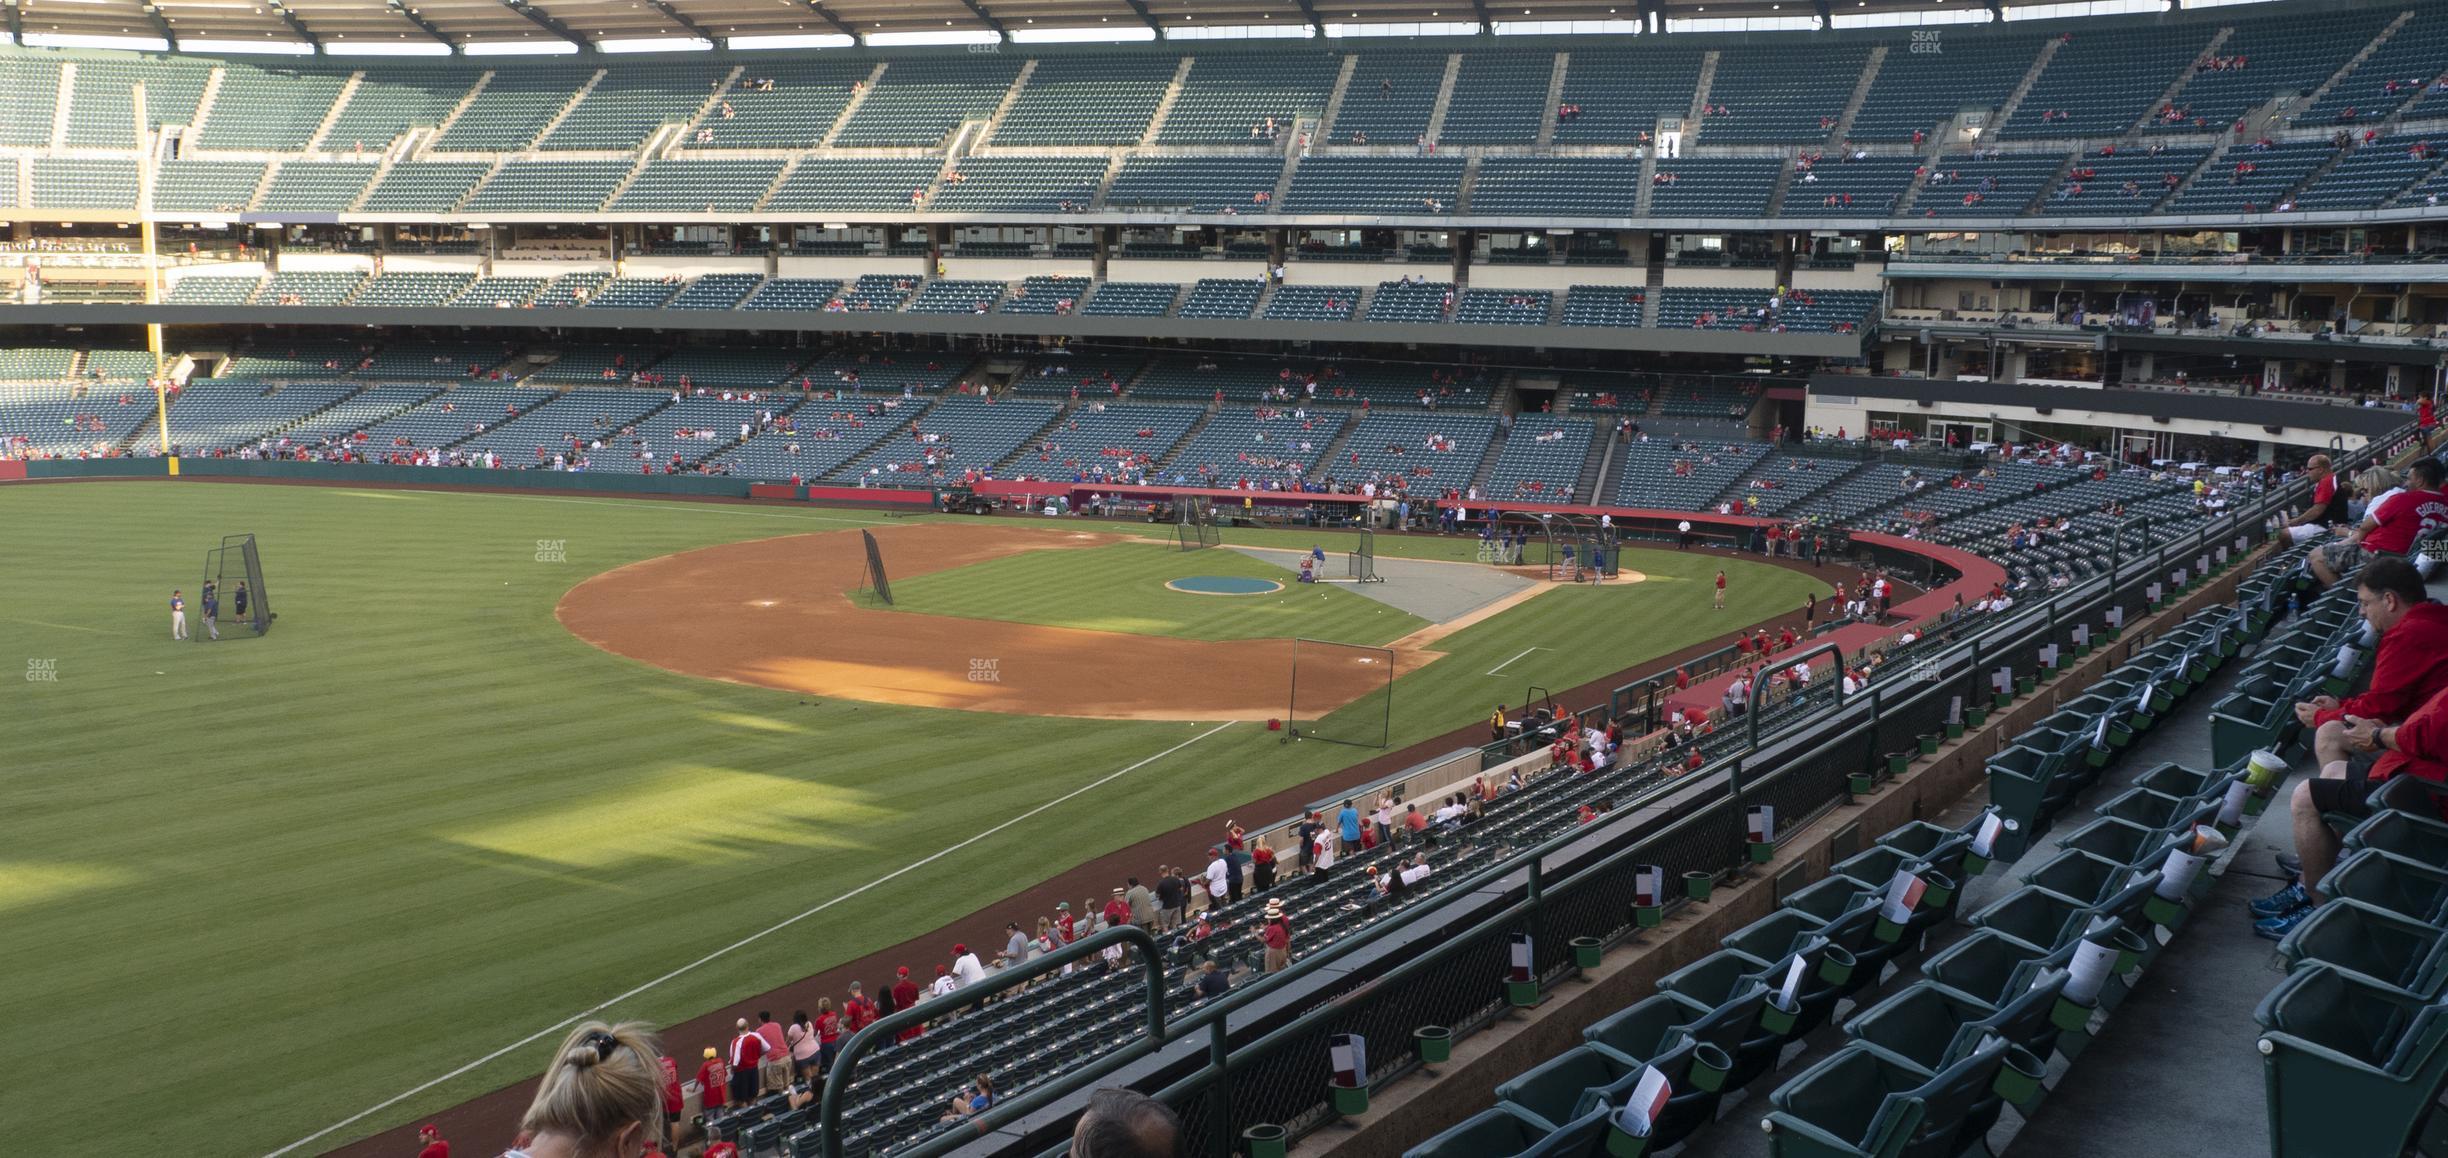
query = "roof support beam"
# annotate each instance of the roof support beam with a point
(296, 25)
(1309, 12)
(832, 21)
(987, 18)
(153, 13)
(1487, 23)
(16, 22)
(548, 24)
(1146, 17)
(422, 24)
(674, 15)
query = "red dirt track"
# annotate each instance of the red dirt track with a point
(778, 613)
(485, 1124)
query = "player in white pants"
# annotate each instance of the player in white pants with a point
(178, 616)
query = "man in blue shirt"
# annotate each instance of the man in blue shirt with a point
(212, 609)
(1348, 824)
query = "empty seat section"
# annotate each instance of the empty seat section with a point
(783, 105)
(1132, 299)
(1230, 96)
(1563, 186)
(1416, 451)
(1020, 185)
(714, 291)
(209, 416)
(514, 105)
(118, 365)
(1541, 460)
(1619, 94)
(1682, 475)
(273, 109)
(1226, 379)
(412, 289)
(2282, 56)
(451, 417)
(316, 186)
(53, 419)
(548, 187)
(959, 432)
(1313, 303)
(308, 288)
(2370, 176)
(83, 183)
(572, 289)
(2251, 179)
(1047, 295)
(1409, 302)
(102, 105)
(424, 186)
(1922, 85)
(816, 438)
(1499, 98)
(364, 408)
(683, 433)
(2098, 86)
(2397, 70)
(1100, 100)
(295, 360)
(1713, 187)
(919, 102)
(1195, 184)
(1093, 377)
(1841, 187)
(1220, 297)
(1397, 185)
(565, 426)
(500, 292)
(697, 186)
(1105, 441)
(1503, 307)
(1800, 311)
(954, 296)
(1389, 99)
(29, 94)
(631, 102)
(394, 99)
(2126, 182)
(703, 368)
(205, 186)
(411, 361)
(1258, 446)
(1605, 394)
(1993, 186)
(36, 363)
(634, 293)
(587, 365)
(856, 184)
(1788, 93)
(1606, 305)
(793, 293)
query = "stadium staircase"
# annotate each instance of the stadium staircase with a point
(1853, 107)
(850, 108)
(637, 164)
(2174, 88)
(1597, 465)
(2014, 100)
(450, 118)
(406, 146)
(2312, 99)
(1113, 169)
(1555, 100)
(1444, 97)
(1003, 108)
(331, 116)
(1326, 120)
(1693, 122)
(567, 107)
(1283, 181)
(1336, 447)
(705, 108)
(1782, 185)
(481, 182)
(59, 110)
(1462, 204)
(1656, 289)
(202, 117)
(781, 177)
(264, 182)
(1486, 469)
(1156, 121)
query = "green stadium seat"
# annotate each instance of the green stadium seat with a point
(2330, 1042)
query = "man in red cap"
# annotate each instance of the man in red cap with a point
(434, 1146)
(904, 995)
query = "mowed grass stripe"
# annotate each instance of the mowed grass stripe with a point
(420, 821)
(1121, 587)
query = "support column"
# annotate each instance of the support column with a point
(1105, 237)
(1464, 241)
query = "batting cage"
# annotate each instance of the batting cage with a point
(1363, 558)
(1342, 693)
(1194, 523)
(234, 587)
(875, 581)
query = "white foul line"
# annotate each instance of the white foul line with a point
(752, 938)
(1508, 663)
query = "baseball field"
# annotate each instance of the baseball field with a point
(507, 759)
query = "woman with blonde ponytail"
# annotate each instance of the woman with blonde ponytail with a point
(601, 1098)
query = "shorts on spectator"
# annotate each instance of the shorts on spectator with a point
(2341, 555)
(2349, 796)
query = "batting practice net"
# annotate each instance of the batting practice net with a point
(1194, 522)
(233, 572)
(1342, 693)
(1363, 558)
(875, 581)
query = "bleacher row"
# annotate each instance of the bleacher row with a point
(1826, 311)
(270, 139)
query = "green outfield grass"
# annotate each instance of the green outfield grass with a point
(1122, 588)
(419, 821)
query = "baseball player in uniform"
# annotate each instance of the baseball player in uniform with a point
(212, 610)
(178, 615)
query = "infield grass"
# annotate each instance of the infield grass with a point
(297, 875)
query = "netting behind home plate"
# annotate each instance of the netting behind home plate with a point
(1341, 692)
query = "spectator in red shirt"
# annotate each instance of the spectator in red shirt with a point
(1276, 935)
(747, 1049)
(828, 1034)
(859, 1011)
(675, 1105)
(771, 1031)
(434, 1146)
(905, 995)
(2390, 527)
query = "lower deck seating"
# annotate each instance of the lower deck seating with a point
(960, 432)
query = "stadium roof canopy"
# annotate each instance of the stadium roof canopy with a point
(367, 26)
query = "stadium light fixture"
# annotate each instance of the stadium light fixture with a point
(655, 44)
(793, 40)
(520, 48)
